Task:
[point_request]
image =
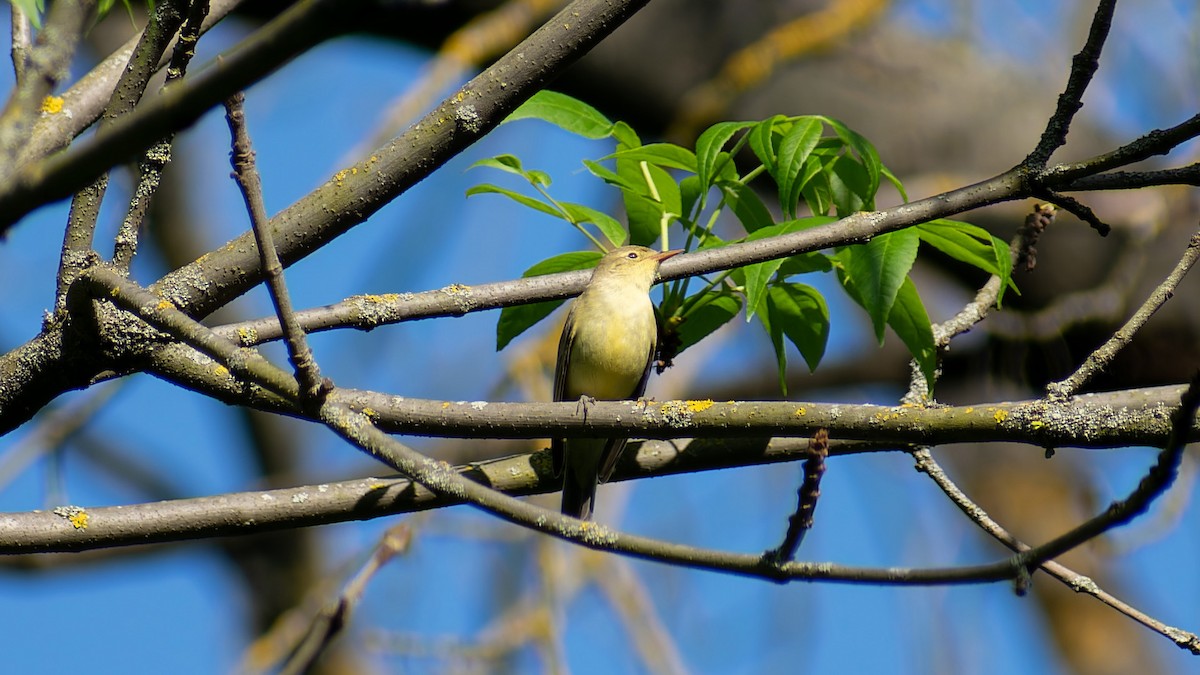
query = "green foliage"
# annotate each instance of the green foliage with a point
(820, 170)
(516, 319)
(34, 10)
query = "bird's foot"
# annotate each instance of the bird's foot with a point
(582, 406)
(642, 403)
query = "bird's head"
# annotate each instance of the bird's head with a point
(634, 265)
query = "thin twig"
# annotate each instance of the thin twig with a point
(46, 64)
(22, 42)
(1077, 582)
(332, 618)
(810, 490)
(78, 250)
(1074, 207)
(1155, 142)
(1153, 484)
(1083, 67)
(1136, 180)
(83, 102)
(1099, 359)
(156, 158)
(308, 373)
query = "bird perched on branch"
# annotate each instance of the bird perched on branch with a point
(605, 352)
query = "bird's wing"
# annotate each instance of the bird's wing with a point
(560, 383)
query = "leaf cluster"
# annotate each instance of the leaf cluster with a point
(819, 169)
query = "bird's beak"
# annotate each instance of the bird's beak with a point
(667, 254)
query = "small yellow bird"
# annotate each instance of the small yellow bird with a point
(605, 353)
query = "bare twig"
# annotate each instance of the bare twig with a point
(291, 33)
(46, 64)
(84, 101)
(155, 159)
(78, 245)
(1156, 142)
(332, 618)
(1136, 180)
(810, 490)
(1074, 207)
(54, 428)
(1099, 359)
(1083, 67)
(1154, 484)
(308, 373)
(22, 41)
(256, 512)
(1079, 583)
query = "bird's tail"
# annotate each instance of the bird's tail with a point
(578, 496)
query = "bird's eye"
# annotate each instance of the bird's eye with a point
(632, 255)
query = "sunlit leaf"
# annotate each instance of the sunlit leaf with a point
(532, 203)
(709, 148)
(519, 318)
(910, 322)
(565, 112)
(800, 313)
(714, 309)
(878, 269)
(610, 227)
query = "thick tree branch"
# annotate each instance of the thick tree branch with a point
(82, 103)
(295, 31)
(255, 512)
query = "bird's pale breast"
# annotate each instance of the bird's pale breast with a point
(609, 355)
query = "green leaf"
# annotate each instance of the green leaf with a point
(661, 154)
(794, 148)
(877, 270)
(973, 245)
(644, 213)
(625, 135)
(817, 193)
(34, 10)
(745, 204)
(689, 197)
(962, 241)
(709, 147)
(910, 321)
(887, 173)
(850, 186)
(800, 313)
(762, 143)
(713, 310)
(867, 154)
(512, 164)
(610, 227)
(532, 203)
(565, 112)
(759, 274)
(776, 336)
(804, 263)
(612, 178)
(519, 318)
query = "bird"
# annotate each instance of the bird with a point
(607, 346)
